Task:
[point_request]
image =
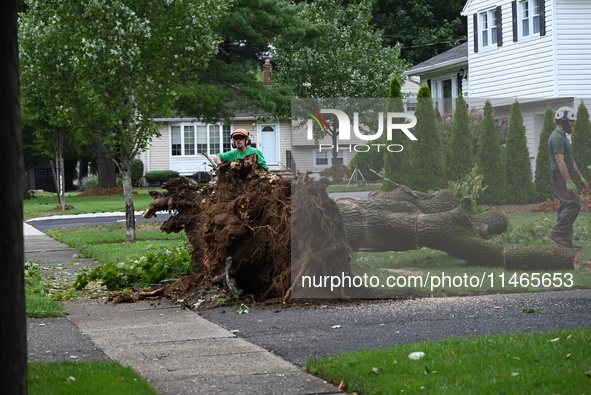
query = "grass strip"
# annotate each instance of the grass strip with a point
(526, 229)
(106, 243)
(556, 362)
(97, 378)
(44, 205)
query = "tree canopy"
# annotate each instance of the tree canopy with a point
(109, 68)
(347, 58)
(424, 28)
(232, 81)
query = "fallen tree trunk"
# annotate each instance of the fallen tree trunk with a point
(385, 222)
(258, 235)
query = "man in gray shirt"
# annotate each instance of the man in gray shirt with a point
(564, 171)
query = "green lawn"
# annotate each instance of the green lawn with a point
(524, 229)
(557, 362)
(44, 205)
(75, 378)
(553, 362)
(106, 243)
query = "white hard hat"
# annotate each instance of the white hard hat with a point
(565, 113)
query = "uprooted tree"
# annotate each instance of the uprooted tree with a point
(252, 232)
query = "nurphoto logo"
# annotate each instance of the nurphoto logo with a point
(353, 125)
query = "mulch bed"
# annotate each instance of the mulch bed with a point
(103, 191)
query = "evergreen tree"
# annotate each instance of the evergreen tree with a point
(489, 159)
(460, 153)
(542, 183)
(374, 159)
(520, 188)
(581, 139)
(395, 163)
(426, 168)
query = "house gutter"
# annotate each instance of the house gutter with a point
(437, 67)
(192, 119)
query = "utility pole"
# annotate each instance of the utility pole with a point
(13, 325)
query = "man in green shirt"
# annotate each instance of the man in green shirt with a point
(241, 144)
(564, 171)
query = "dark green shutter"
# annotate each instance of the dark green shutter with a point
(499, 26)
(514, 19)
(542, 17)
(475, 32)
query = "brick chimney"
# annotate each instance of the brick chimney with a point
(267, 70)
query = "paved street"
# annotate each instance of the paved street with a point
(300, 332)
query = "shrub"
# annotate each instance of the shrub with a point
(519, 186)
(542, 183)
(343, 171)
(395, 164)
(153, 268)
(137, 172)
(490, 159)
(90, 182)
(202, 177)
(426, 167)
(460, 153)
(160, 176)
(581, 141)
(468, 190)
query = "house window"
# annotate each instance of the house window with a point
(324, 158)
(189, 140)
(226, 132)
(489, 27)
(202, 138)
(321, 158)
(175, 140)
(529, 16)
(192, 139)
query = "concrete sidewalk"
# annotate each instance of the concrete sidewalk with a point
(175, 349)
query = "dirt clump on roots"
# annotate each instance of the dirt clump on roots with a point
(241, 230)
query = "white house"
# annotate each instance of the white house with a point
(537, 52)
(184, 141)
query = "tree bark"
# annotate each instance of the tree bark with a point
(107, 170)
(13, 327)
(402, 220)
(129, 206)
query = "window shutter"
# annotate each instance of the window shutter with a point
(475, 33)
(514, 19)
(499, 26)
(542, 18)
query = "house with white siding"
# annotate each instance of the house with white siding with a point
(184, 141)
(537, 52)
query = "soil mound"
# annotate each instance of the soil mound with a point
(241, 228)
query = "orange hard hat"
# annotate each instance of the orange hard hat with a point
(243, 132)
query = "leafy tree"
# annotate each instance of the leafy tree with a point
(232, 81)
(489, 159)
(426, 169)
(346, 59)
(424, 28)
(542, 184)
(520, 188)
(460, 152)
(107, 68)
(395, 163)
(581, 139)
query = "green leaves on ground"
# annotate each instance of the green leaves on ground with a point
(153, 268)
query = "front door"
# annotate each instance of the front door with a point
(269, 143)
